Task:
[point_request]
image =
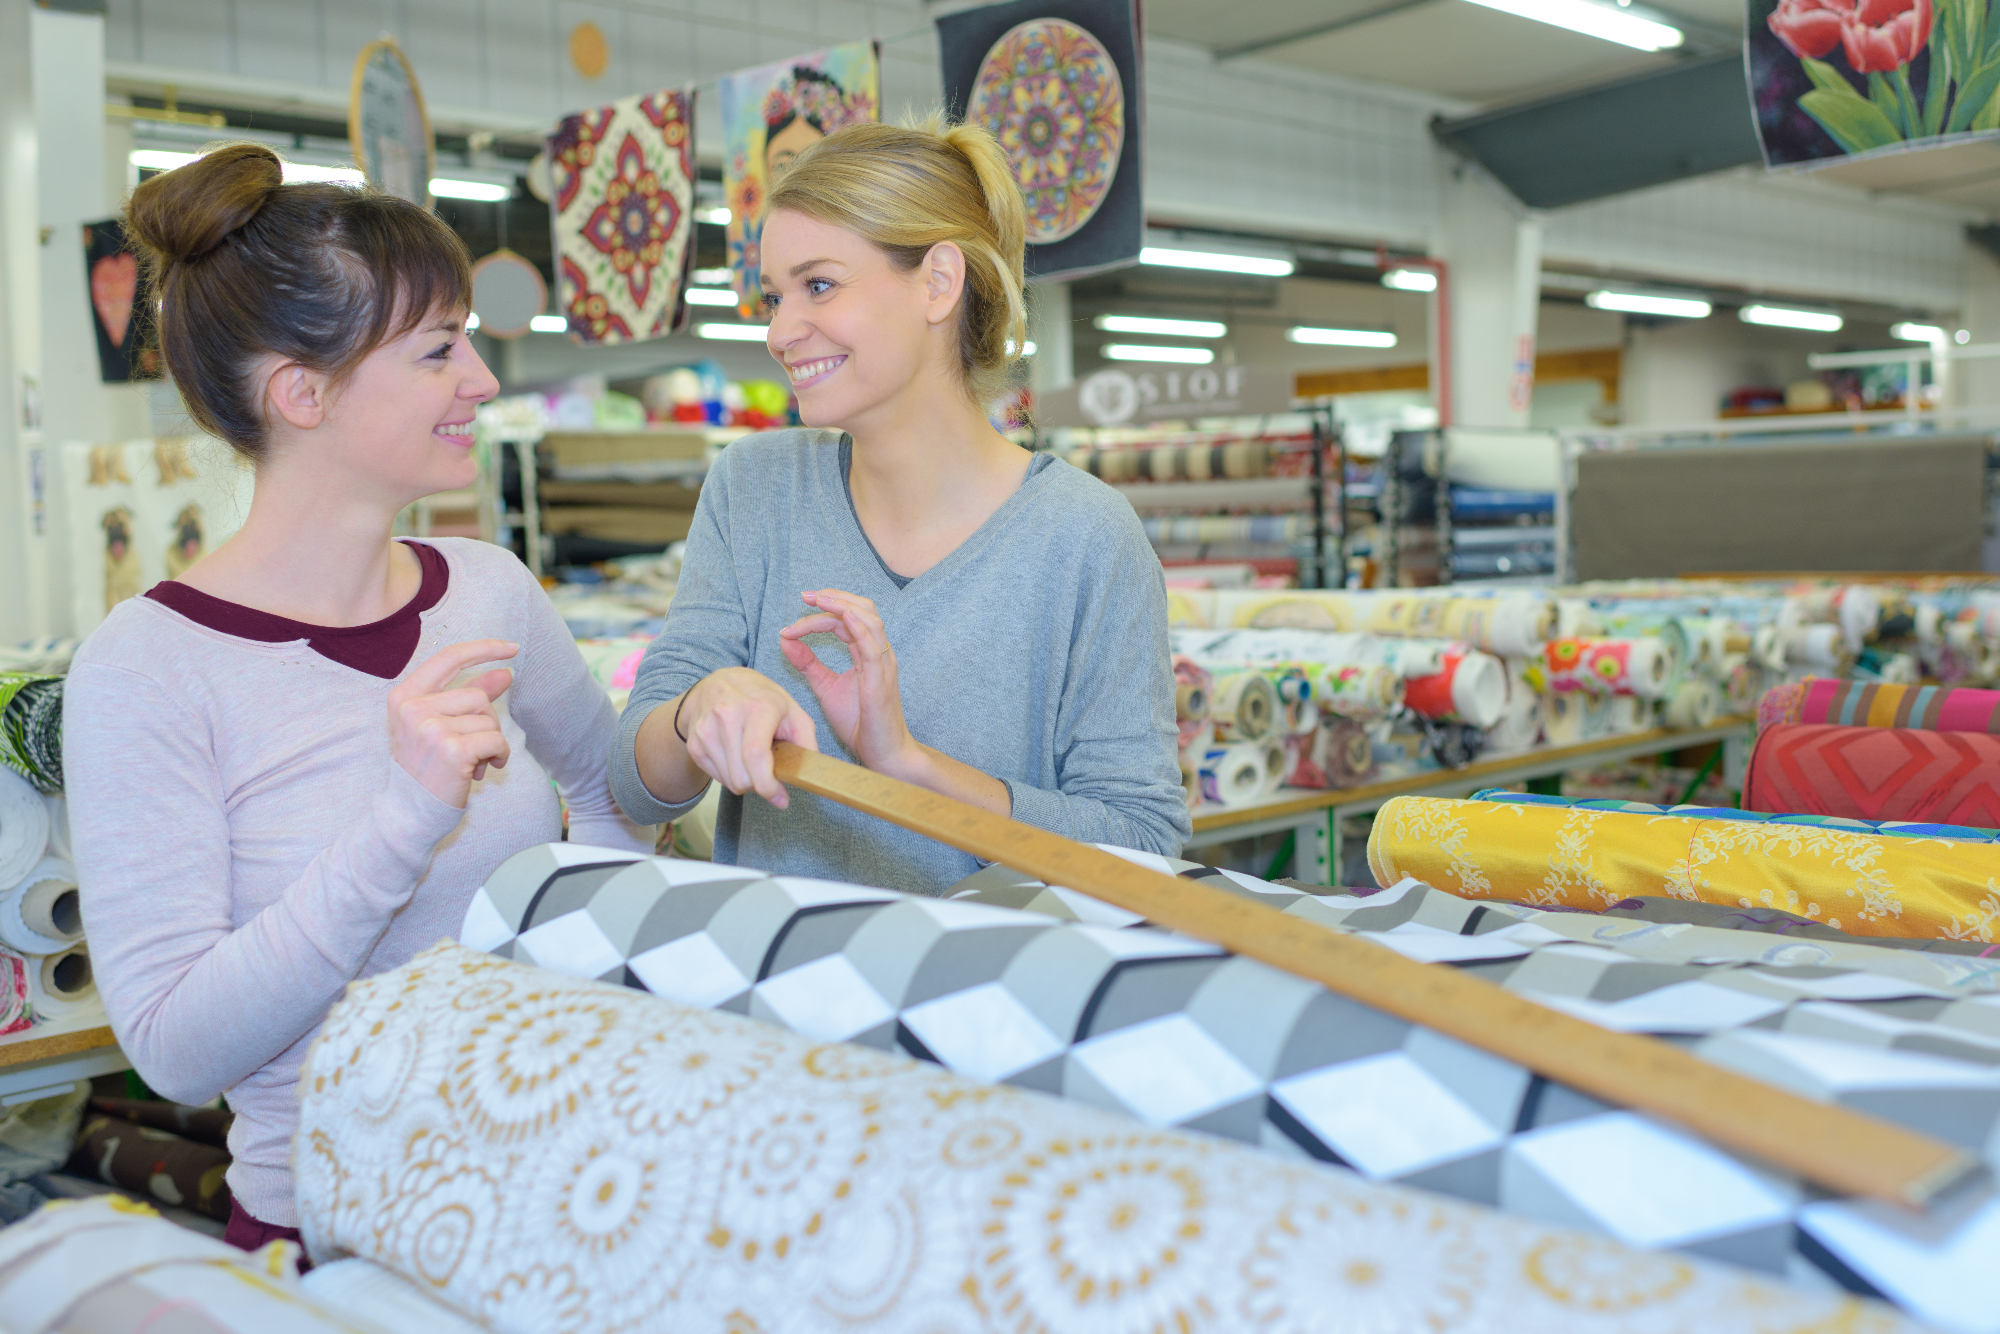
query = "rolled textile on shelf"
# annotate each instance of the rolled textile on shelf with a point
(59, 844)
(1470, 687)
(153, 1162)
(1363, 693)
(1957, 833)
(1243, 706)
(42, 914)
(1642, 667)
(1277, 763)
(16, 1010)
(1819, 647)
(1741, 681)
(31, 728)
(1190, 779)
(1692, 707)
(1298, 715)
(1669, 631)
(1194, 689)
(1876, 773)
(1876, 704)
(1511, 623)
(60, 984)
(383, 1299)
(24, 827)
(1565, 719)
(1218, 529)
(1520, 722)
(1233, 775)
(1577, 858)
(738, 1199)
(1220, 650)
(1628, 715)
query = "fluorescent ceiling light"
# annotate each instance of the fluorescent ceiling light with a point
(471, 321)
(1785, 317)
(1027, 348)
(1258, 265)
(721, 277)
(1146, 324)
(1613, 25)
(1141, 353)
(549, 324)
(1342, 337)
(1917, 333)
(483, 191)
(1639, 303)
(1411, 280)
(733, 333)
(158, 159)
(711, 296)
(297, 173)
(1962, 336)
(718, 216)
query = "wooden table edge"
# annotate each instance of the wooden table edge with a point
(26, 1050)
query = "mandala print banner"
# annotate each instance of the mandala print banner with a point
(624, 191)
(1059, 87)
(550, 1154)
(770, 115)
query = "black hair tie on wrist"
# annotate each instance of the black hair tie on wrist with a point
(677, 715)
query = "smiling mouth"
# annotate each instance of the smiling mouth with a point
(461, 429)
(808, 371)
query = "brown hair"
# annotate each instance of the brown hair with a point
(908, 189)
(246, 266)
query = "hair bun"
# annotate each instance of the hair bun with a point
(189, 211)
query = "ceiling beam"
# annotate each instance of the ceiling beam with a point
(1319, 29)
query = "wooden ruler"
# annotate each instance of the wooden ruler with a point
(1830, 1146)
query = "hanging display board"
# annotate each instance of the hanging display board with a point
(1058, 84)
(1831, 81)
(120, 298)
(1170, 393)
(623, 216)
(388, 125)
(770, 115)
(507, 294)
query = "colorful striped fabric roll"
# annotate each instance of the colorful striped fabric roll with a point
(1897, 828)
(1877, 704)
(1876, 773)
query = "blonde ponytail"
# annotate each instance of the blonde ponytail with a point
(908, 188)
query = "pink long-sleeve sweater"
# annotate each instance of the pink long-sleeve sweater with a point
(247, 847)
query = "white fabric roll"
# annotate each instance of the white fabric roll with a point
(1479, 689)
(1626, 714)
(384, 1298)
(1244, 706)
(40, 914)
(1565, 718)
(1693, 706)
(24, 827)
(1521, 720)
(1276, 764)
(59, 844)
(1232, 775)
(60, 984)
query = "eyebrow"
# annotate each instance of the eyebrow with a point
(445, 326)
(797, 269)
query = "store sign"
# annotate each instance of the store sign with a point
(1118, 398)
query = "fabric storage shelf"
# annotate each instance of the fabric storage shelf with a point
(50, 1056)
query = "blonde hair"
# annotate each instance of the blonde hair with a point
(908, 188)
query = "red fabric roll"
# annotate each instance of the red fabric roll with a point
(1876, 773)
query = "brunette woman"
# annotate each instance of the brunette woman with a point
(902, 584)
(285, 769)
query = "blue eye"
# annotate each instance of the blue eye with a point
(770, 300)
(818, 286)
(443, 353)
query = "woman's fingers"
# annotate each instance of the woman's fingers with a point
(818, 623)
(465, 699)
(797, 728)
(818, 675)
(446, 663)
(758, 730)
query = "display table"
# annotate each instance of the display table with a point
(1313, 816)
(49, 1057)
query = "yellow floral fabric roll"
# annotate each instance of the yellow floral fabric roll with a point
(549, 1154)
(1569, 857)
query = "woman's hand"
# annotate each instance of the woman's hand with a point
(731, 717)
(862, 704)
(445, 738)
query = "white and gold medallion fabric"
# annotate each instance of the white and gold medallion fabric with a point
(549, 1154)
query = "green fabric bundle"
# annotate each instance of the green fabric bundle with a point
(31, 727)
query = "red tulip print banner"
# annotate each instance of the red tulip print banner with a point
(1838, 78)
(119, 300)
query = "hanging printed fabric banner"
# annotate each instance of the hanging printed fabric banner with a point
(1837, 78)
(120, 297)
(623, 216)
(1058, 84)
(770, 115)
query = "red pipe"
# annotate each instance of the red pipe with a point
(1440, 322)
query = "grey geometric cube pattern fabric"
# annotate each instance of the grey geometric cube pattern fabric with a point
(1007, 980)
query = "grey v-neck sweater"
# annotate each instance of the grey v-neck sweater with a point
(1036, 652)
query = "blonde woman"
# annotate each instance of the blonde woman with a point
(899, 584)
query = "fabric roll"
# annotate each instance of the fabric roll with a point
(1243, 706)
(364, 1291)
(1741, 682)
(1277, 762)
(1877, 704)
(673, 1201)
(16, 1010)
(1876, 773)
(1642, 667)
(1144, 1023)
(1364, 693)
(1819, 648)
(1510, 623)
(31, 727)
(24, 828)
(110, 1265)
(1565, 719)
(1579, 858)
(1629, 715)
(59, 844)
(42, 914)
(1888, 828)
(1471, 687)
(155, 1163)
(60, 984)
(1297, 714)
(1231, 776)
(203, 1125)
(1670, 632)
(1194, 690)
(1693, 706)
(1520, 724)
